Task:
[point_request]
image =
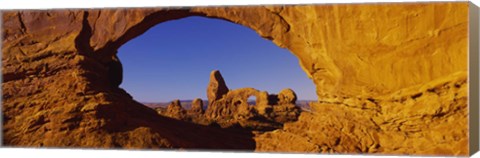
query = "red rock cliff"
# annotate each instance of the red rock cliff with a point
(391, 78)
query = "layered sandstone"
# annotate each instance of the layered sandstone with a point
(390, 78)
(426, 120)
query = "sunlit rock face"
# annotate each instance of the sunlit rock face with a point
(197, 107)
(391, 78)
(216, 87)
(175, 110)
(232, 109)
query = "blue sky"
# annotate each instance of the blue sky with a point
(173, 60)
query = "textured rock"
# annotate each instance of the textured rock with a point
(197, 107)
(234, 111)
(287, 96)
(283, 113)
(175, 110)
(431, 122)
(228, 107)
(233, 108)
(216, 87)
(390, 78)
(231, 104)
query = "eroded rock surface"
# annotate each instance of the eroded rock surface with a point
(197, 107)
(426, 120)
(175, 110)
(390, 78)
(287, 96)
(216, 87)
(233, 109)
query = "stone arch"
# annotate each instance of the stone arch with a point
(136, 21)
(105, 47)
(252, 100)
(359, 61)
(245, 93)
(76, 68)
(95, 34)
(234, 101)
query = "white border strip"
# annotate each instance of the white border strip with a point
(76, 153)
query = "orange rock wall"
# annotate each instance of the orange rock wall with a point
(55, 83)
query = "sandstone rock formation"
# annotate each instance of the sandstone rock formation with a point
(403, 122)
(287, 96)
(232, 109)
(175, 110)
(197, 107)
(391, 78)
(216, 87)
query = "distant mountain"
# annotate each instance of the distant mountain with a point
(304, 104)
(185, 104)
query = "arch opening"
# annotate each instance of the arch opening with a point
(172, 60)
(252, 100)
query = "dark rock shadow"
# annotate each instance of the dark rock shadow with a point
(127, 115)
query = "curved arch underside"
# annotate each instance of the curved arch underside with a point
(395, 73)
